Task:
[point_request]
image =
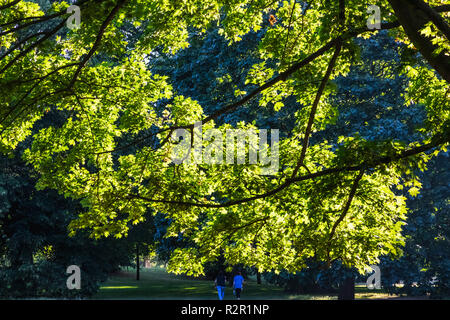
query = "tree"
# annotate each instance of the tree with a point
(424, 265)
(320, 204)
(35, 248)
(370, 103)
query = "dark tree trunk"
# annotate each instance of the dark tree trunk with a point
(413, 15)
(137, 262)
(258, 277)
(347, 289)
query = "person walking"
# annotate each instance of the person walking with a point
(238, 282)
(220, 284)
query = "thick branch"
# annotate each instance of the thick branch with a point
(438, 21)
(413, 19)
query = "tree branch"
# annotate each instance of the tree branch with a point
(97, 42)
(315, 105)
(48, 34)
(319, 93)
(8, 5)
(361, 167)
(413, 19)
(347, 205)
(438, 21)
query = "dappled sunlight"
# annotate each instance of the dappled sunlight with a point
(156, 283)
(118, 287)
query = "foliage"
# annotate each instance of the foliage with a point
(331, 200)
(424, 266)
(35, 249)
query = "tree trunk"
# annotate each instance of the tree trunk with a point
(258, 277)
(137, 262)
(413, 17)
(347, 289)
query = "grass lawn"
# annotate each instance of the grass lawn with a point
(156, 283)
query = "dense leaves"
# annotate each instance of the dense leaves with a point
(331, 199)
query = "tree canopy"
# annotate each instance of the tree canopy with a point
(333, 197)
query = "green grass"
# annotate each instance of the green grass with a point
(156, 283)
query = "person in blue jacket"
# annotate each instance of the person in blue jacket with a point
(238, 282)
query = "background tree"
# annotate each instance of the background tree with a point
(424, 266)
(35, 248)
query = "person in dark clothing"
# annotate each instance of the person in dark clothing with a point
(220, 283)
